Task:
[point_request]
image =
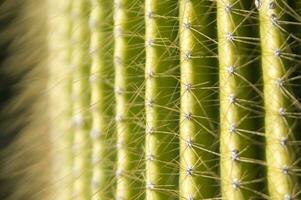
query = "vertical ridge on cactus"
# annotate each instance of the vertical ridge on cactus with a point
(81, 95)
(65, 109)
(128, 59)
(231, 172)
(197, 172)
(102, 132)
(161, 99)
(279, 155)
(61, 86)
(236, 120)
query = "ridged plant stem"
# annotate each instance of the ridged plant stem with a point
(128, 59)
(234, 89)
(197, 81)
(67, 133)
(102, 99)
(161, 71)
(61, 86)
(279, 155)
(81, 100)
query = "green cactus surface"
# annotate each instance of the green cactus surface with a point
(81, 97)
(198, 120)
(278, 128)
(102, 90)
(173, 99)
(161, 71)
(129, 105)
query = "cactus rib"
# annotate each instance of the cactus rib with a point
(128, 53)
(279, 155)
(233, 117)
(196, 175)
(160, 100)
(101, 99)
(81, 99)
(61, 85)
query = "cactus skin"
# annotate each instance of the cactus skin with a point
(81, 100)
(128, 59)
(84, 93)
(279, 155)
(69, 112)
(197, 81)
(160, 100)
(236, 152)
(230, 170)
(101, 99)
(61, 85)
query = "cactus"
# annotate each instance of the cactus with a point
(161, 100)
(101, 77)
(63, 53)
(235, 118)
(153, 99)
(197, 124)
(275, 52)
(128, 55)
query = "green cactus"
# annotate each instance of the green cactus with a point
(183, 119)
(275, 53)
(197, 124)
(101, 78)
(161, 100)
(235, 60)
(154, 99)
(81, 95)
(128, 55)
(64, 133)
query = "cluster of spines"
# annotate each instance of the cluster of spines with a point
(196, 112)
